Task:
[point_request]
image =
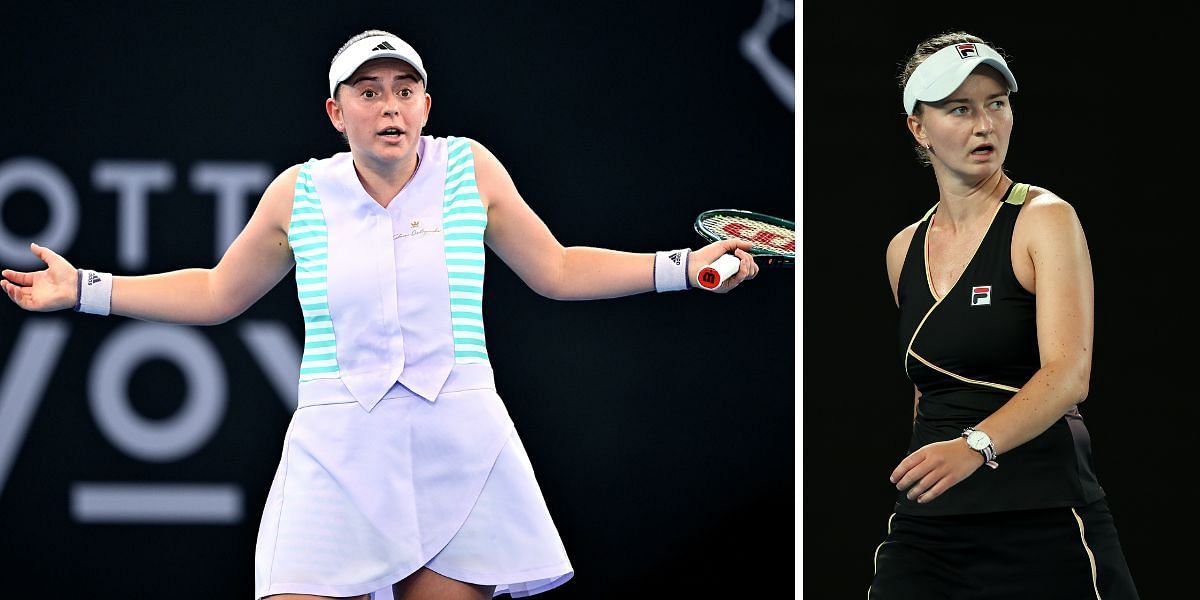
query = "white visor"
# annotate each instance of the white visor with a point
(369, 48)
(946, 69)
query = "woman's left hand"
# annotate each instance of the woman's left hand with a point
(704, 256)
(935, 468)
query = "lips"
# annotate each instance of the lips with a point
(391, 132)
(983, 149)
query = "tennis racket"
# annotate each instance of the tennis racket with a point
(774, 241)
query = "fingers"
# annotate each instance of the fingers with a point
(23, 279)
(910, 470)
(15, 293)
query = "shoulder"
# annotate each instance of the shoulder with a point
(284, 184)
(1046, 212)
(494, 183)
(900, 243)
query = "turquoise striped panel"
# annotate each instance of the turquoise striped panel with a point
(463, 214)
(309, 238)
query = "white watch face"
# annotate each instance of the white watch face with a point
(978, 440)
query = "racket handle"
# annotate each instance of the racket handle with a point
(715, 274)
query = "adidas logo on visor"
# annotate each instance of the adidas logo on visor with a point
(383, 46)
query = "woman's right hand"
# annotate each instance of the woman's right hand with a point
(53, 288)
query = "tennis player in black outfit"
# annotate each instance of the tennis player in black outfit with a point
(998, 495)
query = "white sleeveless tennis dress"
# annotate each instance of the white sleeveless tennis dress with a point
(400, 453)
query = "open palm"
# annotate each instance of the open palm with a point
(53, 288)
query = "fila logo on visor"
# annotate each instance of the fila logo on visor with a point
(966, 51)
(389, 46)
(981, 294)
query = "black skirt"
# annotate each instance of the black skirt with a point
(1052, 553)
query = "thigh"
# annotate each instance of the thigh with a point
(910, 563)
(428, 585)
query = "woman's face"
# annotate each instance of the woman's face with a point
(381, 108)
(969, 130)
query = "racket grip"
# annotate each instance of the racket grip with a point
(712, 276)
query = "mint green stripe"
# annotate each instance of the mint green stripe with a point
(470, 354)
(470, 328)
(312, 294)
(308, 222)
(471, 341)
(311, 370)
(307, 234)
(311, 280)
(314, 357)
(464, 209)
(318, 319)
(463, 236)
(478, 289)
(470, 181)
(310, 266)
(305, 210)
(312, 246)
(464, 262)
(458, 275)
(316, 330)
(460, 196)
(457, 148)
(466, 249)
(465, 302)
(465, 315)
(464, 223)
(325, 344)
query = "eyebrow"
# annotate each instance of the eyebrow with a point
(362, 78)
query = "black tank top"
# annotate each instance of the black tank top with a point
(969, 353)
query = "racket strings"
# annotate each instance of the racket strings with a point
(766, 237)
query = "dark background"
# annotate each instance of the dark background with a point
(660, 426)
(1102, 118)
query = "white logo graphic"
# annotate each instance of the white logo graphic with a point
(981, 295)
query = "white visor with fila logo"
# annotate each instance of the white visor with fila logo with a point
(946, 69)
(369, 48)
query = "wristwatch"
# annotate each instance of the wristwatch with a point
(981, 443)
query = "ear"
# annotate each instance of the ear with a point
(917, 129)
(335, 114)
(428, 104)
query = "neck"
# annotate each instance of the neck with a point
(384, 181)
(963, 203)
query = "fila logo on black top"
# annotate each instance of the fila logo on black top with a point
(384, 46)
(981, 294)
(93, 279)
(674, 256)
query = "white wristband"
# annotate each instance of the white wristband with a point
(670, 270)
(95, 292)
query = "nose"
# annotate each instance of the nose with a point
(392, 106)
(983, 123)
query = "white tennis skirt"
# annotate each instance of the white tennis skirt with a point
(363, 499)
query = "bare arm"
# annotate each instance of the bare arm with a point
(253, 264)
(896, 251)
(525, 244)
(1063, 271)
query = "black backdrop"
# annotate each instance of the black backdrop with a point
(660, 426)
(1103, 119)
